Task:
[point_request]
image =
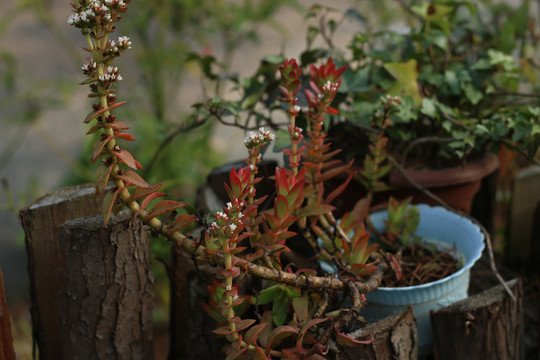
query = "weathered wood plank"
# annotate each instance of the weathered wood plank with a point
(488, 325)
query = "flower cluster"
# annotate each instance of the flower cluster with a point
(89, 14)
(110, 75)
(325, 82)
(230, 221)
(90, 68)
(330, 87)
(96, 12)
(114, 48)
(258, 139)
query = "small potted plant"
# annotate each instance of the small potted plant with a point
(249, 235)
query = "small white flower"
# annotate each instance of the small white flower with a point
(233, 227)
(296, 108)
(228, 287)
(330, 86)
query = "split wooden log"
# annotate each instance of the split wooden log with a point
(106, 302)
(41, 222)
(6, 340)
(488, 325)
(394, 337)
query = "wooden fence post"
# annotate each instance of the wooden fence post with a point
(41, 222)
(50, 282)
(488, 325)
(107, 297)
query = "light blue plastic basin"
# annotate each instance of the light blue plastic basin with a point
(445, 229)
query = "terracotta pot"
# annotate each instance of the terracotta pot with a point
(456, 185)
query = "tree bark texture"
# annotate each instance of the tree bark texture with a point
(488, 325)
(394, 337)
(41, 222)
(191, 327)
(106, 303)
(6, 339)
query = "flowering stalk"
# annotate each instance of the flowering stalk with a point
(289, 88)
(223, 235)
(255, 142)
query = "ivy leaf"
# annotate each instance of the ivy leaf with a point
(428, 107)
(437, 14)
(472, 94)
(283, 141)
(406, 75)
(251, 100)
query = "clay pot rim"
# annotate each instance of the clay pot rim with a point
(470, 172)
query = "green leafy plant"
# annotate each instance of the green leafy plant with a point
(461, 89)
